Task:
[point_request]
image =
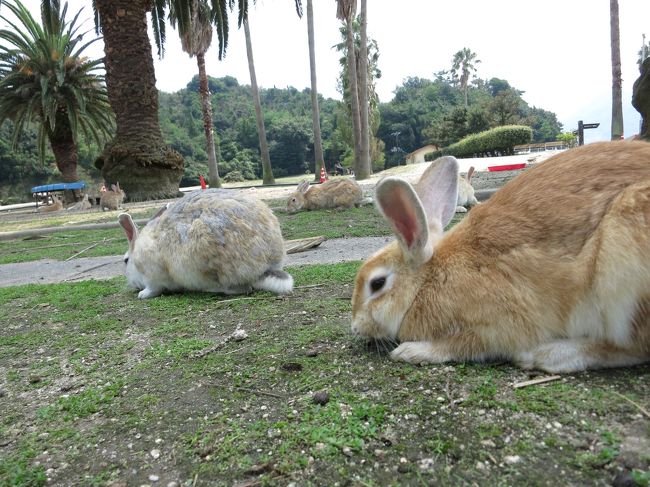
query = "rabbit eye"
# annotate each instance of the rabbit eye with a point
(377, 283)
(126, 260)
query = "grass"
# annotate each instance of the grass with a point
(93, 380)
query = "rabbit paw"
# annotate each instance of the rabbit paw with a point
(461, 209)
(148, 292)
(420, 352)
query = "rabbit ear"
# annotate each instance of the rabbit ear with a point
(470, 173)
(402, 208)
(438, 191)
(303, 186)
(130, 228)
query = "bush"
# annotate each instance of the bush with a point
(499, 141)
(234, 177)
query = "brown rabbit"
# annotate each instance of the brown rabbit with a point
(112, 199)
(335, 193)
(553, 272)
(57, 205)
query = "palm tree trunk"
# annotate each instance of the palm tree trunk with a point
(617, 95)
(267, 171)
(206, 107)
(319, 161)
(354, 97)
(137, 157)
(364, 167)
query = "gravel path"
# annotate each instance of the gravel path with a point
(54, 271)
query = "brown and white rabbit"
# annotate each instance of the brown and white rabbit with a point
(112, 199)
(466, 198)
(212, 240)
(334, 193)
(83, 204)
(552, 273)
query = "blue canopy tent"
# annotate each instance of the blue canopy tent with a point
(44, 190)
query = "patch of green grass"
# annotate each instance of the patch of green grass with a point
(81, 405)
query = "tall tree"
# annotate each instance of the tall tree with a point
(45, 78)
(196, 41)
(364, 168)
(463, 64)
(267, 171)
(315, 111)
(346, 11)
(617, 91)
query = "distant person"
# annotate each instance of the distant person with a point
(339, 170)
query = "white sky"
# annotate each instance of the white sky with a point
(556, 51)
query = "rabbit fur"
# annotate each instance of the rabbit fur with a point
(112, 199)
(57, 205)
(552, 272)
(211, 240)
(83, 204)
(466, 198)
(334, 193)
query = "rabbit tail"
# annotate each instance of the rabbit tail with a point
(276, 281)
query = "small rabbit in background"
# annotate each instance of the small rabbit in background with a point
(83, 204)
(213, 240)
(56, 205)
(111, 199)
(334, 193)
(552, 272)
(466, 198)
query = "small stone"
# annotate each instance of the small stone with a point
(346, 451)
(154, 478)
(512, 459)
(321, 398)
(312, 353)
(34, 379)
(173, 483)
(2, 393)
(427, 464)
(238, 335)
(155, 454)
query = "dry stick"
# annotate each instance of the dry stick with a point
(80, 274)
(539, 380)
(638, 406)
(82, 251)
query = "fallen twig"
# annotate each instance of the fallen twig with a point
(538, 380)
(637, 405)
(83, 250)
(237, 335)
(80, 274)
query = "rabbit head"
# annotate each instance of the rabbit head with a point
(550, 273)
(296, 201)
(466, 191)
(211, 240)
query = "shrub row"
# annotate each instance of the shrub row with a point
(499, 141)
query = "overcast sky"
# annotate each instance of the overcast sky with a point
(557, 51)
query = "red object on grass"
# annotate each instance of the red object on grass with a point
(323, 175)
(507, 167)
(202, 181)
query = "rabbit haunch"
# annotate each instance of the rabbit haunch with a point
(211, 240)
(553, 272)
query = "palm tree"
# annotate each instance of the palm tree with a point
(196, 41)
(45, 79)
(617, 94)
(464, 62)
(267, 171)
(345, 11)
(315, 111)
(137, 156)
(364, 168)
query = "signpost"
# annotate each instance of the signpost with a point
(581, 130)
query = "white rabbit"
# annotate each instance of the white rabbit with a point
(552, 272)
(466, 196)
(212, 240)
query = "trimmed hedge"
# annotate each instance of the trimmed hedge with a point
(499, 141)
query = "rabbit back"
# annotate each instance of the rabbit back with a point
(334, 193)
(211, 240)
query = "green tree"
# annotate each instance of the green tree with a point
(45, 79)
(463, 64)
(196, 41)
